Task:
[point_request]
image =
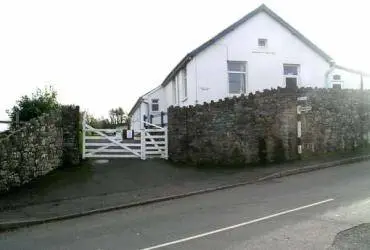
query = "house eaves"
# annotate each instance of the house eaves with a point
(261, 8)
(141, 99)
(137, 104)
(358, 72)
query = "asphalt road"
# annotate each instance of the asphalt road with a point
(309, 211)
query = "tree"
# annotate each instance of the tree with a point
(117, 116)
(91, 120)
(40, 102)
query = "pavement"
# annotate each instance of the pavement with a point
(357, 237)
(94, 188)
(325, 209)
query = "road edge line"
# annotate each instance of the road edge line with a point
(197, 236)
(19, 224)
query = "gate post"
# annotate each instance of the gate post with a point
(144, 124)
(166, 143)
(143, 144)
(162, 120)
(83, 135)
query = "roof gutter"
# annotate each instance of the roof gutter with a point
(179, 66)
(138, 102)
(352, 70)
(333, 66)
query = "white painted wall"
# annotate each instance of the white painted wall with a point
(349, 80)
(157, 94)
(145, 108)
(161, 95)
(207, 77)
(191, 71)
(181, 99)
(264, 66)
(168, 94)
(137, 117)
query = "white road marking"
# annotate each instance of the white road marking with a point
(236, 226)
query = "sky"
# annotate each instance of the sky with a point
(105, 54)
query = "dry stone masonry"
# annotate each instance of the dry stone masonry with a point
(338, 121)
(71, 127)
(40, 146)
(256, 128)
(262, 127)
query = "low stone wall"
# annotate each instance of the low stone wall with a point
(257, 128)
(71, 143)
(262, 127)
(40, 146)
(338, 121)
(4, 134)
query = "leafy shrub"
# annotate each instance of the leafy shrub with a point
(40, 102)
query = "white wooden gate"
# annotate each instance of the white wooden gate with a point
(154, 142)
(108, 143)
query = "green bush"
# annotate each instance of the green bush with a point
(40, 102)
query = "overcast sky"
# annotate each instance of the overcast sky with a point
(104, 54)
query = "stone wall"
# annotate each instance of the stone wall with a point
(71, 142)
(40, 146)
(262, 127)
(338, 121)
(257, 128)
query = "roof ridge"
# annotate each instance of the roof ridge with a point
(235, 25)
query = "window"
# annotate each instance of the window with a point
(184, 84)
(290, 70)
(155, 105)
(336, 77)
(337, 86)
(291, 75)
(262, 42)
(237, 72)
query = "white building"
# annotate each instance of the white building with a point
(259, 51)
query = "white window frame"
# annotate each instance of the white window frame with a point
(337, 82)
(152, 103)
(242, 91)
(297, 77)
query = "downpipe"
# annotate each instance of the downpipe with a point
(331, 69)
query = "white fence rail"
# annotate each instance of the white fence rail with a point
(109, 143)
(154, 141)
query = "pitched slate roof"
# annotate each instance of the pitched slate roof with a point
(261, 8)
(354, 71)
